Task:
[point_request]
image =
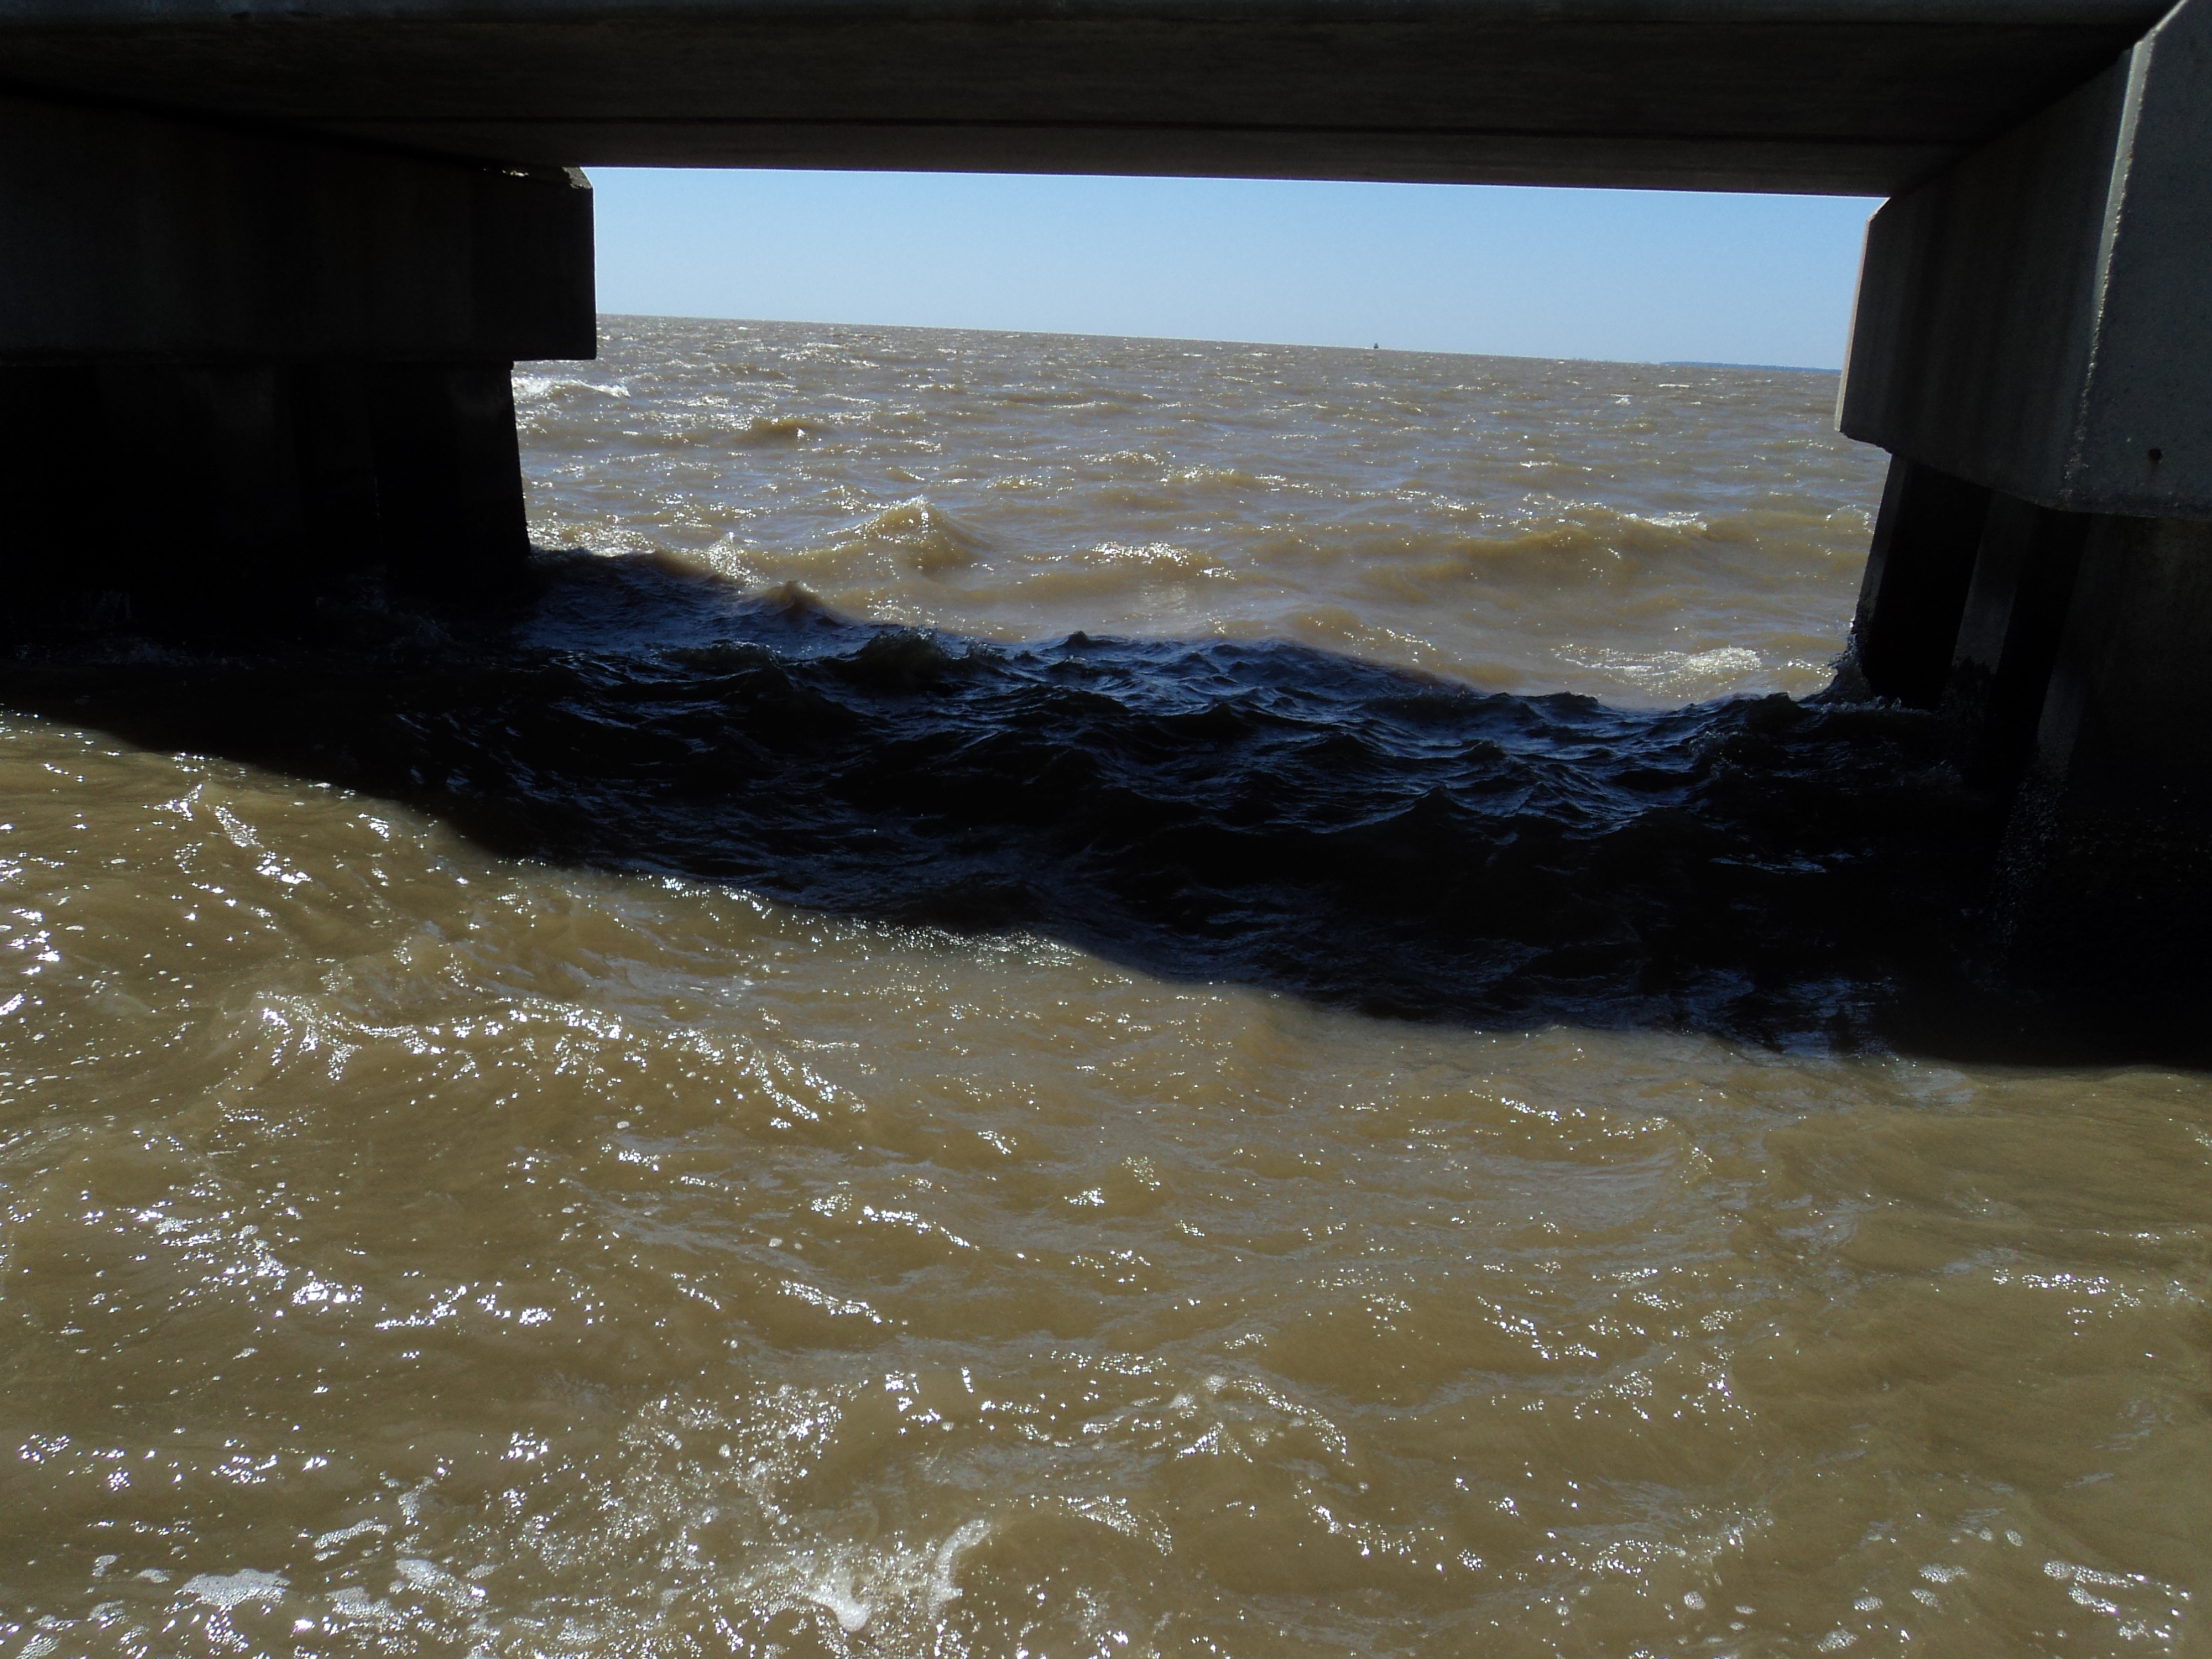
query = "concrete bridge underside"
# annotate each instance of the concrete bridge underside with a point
(1851, 96)
(264, 268)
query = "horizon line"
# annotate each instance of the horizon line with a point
(1201, 339)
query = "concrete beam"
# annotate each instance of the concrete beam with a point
(1863, 96)
(123, 233)
(2038, 319)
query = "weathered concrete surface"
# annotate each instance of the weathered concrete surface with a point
(1864, 96)
(2039, 319)
(123, 233)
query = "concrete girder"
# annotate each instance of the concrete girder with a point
(1856, 96)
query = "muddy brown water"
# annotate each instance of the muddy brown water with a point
(1072, 997)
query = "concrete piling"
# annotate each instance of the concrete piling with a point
(1917, 574)
(2106, 873)
(237, 492)
(448, 476)
(2008, 637)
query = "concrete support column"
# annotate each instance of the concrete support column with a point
(54, 497)
(2107, 872)
(238, 367)
(2034, 344)
(2008, 637)
(449, 478)
(207, 469)
(200, 491)
(1918, 573)
(342, 487)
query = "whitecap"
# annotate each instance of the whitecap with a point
(229, 1591)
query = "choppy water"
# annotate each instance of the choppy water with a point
(1100, 998)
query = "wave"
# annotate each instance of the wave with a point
(563, 388)
(1222, 809)
(924, 537)
(1681, 676)
(780, 428)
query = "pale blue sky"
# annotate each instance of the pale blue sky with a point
(1642, 275)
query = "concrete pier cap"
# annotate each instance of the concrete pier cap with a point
(2033, 343)
(264, 269)
(237, 367)
(2037, 319)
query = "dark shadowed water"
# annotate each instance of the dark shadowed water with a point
(1077, 997)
